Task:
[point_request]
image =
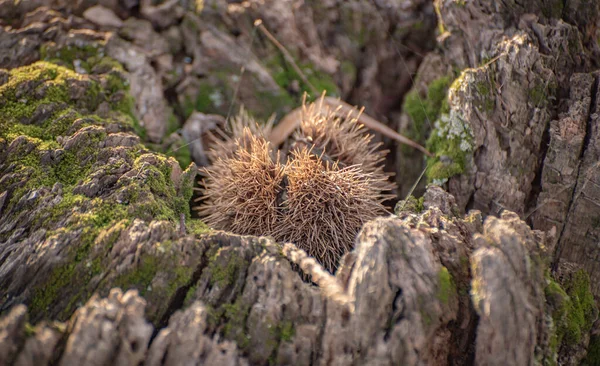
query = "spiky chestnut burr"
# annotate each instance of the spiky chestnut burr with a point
(241, 189)
(225, 143)
(343, 140)
(326, 206)
(316, 195)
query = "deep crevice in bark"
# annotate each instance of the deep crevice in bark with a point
(178, 298)
(580, 180)
(536, 184)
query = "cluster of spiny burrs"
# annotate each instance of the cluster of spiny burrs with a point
(317, 192)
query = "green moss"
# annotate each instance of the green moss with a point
(38, 72)
(446, 287)
(73, 273)
(284, 75)
(235, 316)
(425, 317)
(157, 181)
(107, 238)
(116, 82)
(126, 105)
(279, 332)
(551, 359)
(420, 207)
(224, 274)
(537, 95)
(165, 203)
(476, 288)
(43, 297)
(69, 202)
(140, 277)
(189, 296)
(277, 103)
(69, 169)
(180, 152)
(29, 330)
(573, 308)
(29, 174)
(51, 83)
(86, 57)
(214, 94)
(321, 81)
(411, 204)
(584, 304)
(188, 107)
(151, 208)
(450, 141)
(286, 330)
(105, 214)
(186, 189)
(450, 152)
(183, 274)
(196, 227)
(183, 155)
(485, 97)
(47, 80)
(105, 64)
(424, 111)
(92, 225)
(438, 12)
(150, 266)
(593, 352)
(172, 123)
(205, 96)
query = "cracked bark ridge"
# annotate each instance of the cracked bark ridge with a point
(82, 199)
(505, 258)
(522, 65)
(401, 297)
(528, 94)
(562, 161)
(108, 331)
(185, 341)
(507, 132)
(578, 241)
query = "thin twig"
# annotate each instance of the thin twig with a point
(375, 125)
(287, 56)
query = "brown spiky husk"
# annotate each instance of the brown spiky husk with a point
(318, 197)
(241, 191)
(224, 142)
(326, 206)
(344, 140)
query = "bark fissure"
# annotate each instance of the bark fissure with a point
(579, 179)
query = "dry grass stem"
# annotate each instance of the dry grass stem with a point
(292, 120)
